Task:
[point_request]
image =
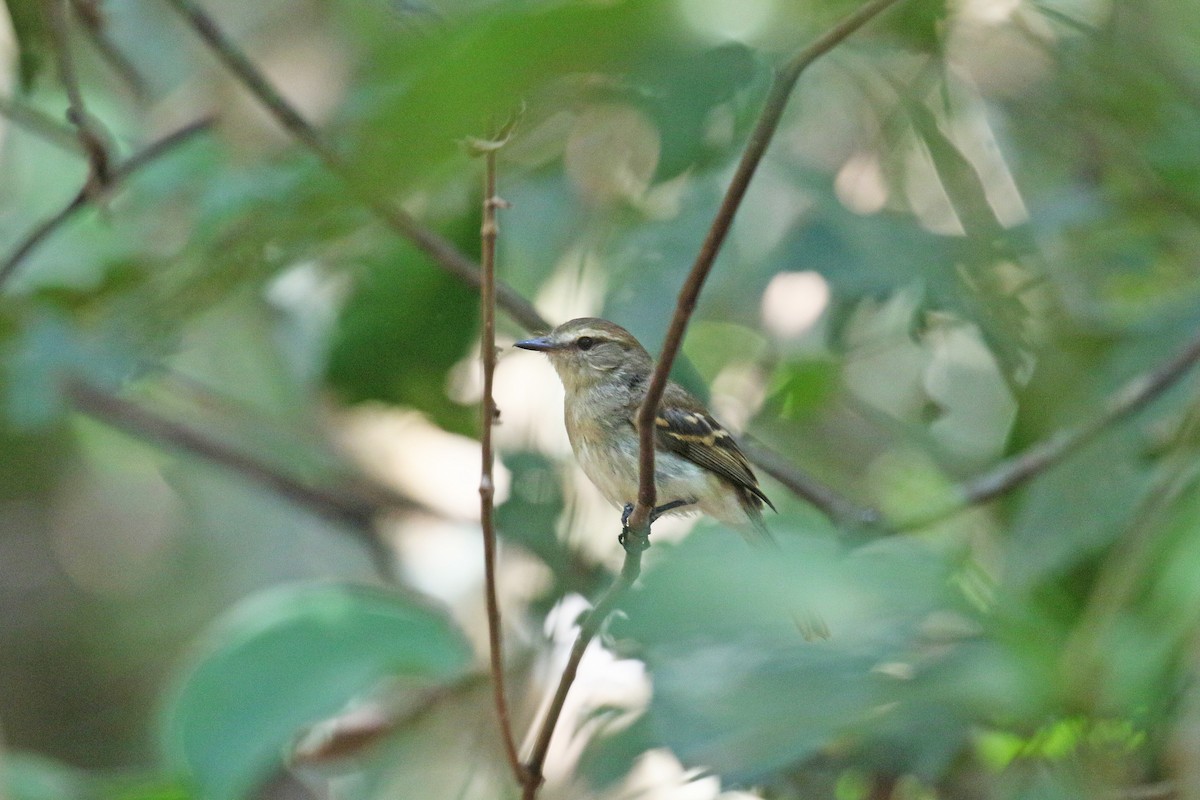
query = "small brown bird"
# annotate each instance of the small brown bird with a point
(698, 464)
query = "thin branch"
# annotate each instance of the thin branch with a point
(441, 250)
(636, 535)
(39, 122)
(92, 16)
(588, 628)
(345, 505)
(122, 172)
(488, 413)
(1036, 459)
(840, 509)
(92, 137)
(760, 138)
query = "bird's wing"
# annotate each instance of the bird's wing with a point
(693, 434)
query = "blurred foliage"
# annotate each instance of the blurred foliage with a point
(977, 222)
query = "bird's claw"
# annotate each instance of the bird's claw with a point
(630, 539)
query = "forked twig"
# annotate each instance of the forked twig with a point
(123, 171)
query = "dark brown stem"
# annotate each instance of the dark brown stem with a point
(92, 138)
(488, 413)
(637, 532)
(1019, 469)
(588, 628)
(760, 138)
(343, 505)
(841, 510)
(441, 250)
(127, 168)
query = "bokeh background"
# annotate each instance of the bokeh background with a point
(238, 439)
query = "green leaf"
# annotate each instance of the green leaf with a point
(478, 68)
(529, 518)
(406, 324)
(736, 687)
(49, 349)
(29, 26)
(27, 776)
(286, 658)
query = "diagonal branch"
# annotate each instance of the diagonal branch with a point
(840, 509)
(94, 24)
(689, 293)
(352, 506)
(441, 250)
(123, 171)
(636, 534)
(588, 628)
(1018, 470)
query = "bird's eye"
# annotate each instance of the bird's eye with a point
(585, 342)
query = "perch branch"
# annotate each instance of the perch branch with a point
(122, 172)
(637, 532)
(756, 147)
(588, 628)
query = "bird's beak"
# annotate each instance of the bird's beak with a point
(542, 344)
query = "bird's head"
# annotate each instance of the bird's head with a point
(588, 351)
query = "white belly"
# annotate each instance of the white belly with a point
(614, 471)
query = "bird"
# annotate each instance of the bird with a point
(698, 465)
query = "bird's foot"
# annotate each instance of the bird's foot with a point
(626, 538)
(658, 511)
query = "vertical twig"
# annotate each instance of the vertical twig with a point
(488, 414)
(689, 293)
